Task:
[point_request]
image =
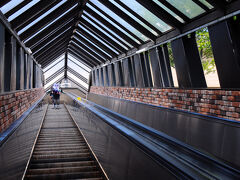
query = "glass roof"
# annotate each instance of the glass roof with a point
(110, 33)
(107, 34)
(119, 19)
(146, 14)
(111, 22)
(187, 7)
(81, 27)
(169, 11)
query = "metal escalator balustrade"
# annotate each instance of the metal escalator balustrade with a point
(61, 151)
(181, 159)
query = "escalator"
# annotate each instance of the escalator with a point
(61, 151)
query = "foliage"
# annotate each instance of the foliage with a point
(205, 51)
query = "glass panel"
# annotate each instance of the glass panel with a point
(41, 17)
(23, 9)
(206, 4)
(7, 7)
(169, 11)
(105, 28)
(187, 7)
(117, 18)
(88, 47)
(54, 69)
(146, 14)
(98, 39)
(78, 69)
(93, 44)
(100, 29)
(77, 80)
(85, 51)
(50, 23)
(51, 41)
(54, 80)
(136, 19)
(53, 63)
(79, 63)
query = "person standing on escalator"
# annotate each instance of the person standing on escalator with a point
(56, 96)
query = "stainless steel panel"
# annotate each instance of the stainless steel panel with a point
(14, 153)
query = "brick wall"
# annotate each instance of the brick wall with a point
(220, 103)
(14, 104)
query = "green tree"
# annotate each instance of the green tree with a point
(205, 51)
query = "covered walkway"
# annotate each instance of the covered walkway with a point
(135, 104)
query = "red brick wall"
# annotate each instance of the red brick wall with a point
(220, 103)
(14, 104)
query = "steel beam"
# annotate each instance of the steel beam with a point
(84, 54)
(2, 57)
(225, 46)
(109, 32)
(43, 11)
(82, 88)
(175, 10)
(161, 13)
(111, 75)
(20, 68)
(78, 65)
(157, 77)
(114, 45)
(4, 2)
(60, 22)
(51, 37)
(53, 51)
(188, 63)
(95, 32)
(90, 51)
(113, 28)
(78, 75)
(138, 71)
(80, 58)
(30, 13)
(10, 63)
(118, 73)
(56, 42)
(127, 73)
(48, 19)
(79, 38)
(129, 19)
(16, 8)
(165, 67)
(95, 41)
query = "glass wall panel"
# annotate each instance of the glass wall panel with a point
(78, 69)
(77, 80)
(54, 80)
(71, 57)
(54, 69)
(53, 63)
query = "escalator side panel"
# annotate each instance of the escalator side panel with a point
(15, 152)
(208, 134)
(120, 158)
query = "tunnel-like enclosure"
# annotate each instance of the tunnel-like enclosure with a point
(150, 89)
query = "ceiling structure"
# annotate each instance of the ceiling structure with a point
(88, 33)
